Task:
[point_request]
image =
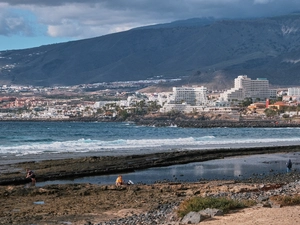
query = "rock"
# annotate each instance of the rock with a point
(180, 194)
(198, 192)
(275, 205)
(266, 204)
(191, 218)
(262, 198)
(211, 212)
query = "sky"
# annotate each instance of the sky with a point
(32, 23)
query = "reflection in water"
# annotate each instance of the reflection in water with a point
(229, 168)
(237, 170)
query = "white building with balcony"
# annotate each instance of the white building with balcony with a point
(190, 95)
(187, 99)
(244, 87)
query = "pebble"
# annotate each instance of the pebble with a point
(165, 214)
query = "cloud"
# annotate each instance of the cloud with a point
(89, 18)
(293, 61)
(82, 20)
(262, 1)
(45, 2)
(12, 23)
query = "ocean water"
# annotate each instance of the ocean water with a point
(22, 139)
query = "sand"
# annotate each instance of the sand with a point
(289, 215)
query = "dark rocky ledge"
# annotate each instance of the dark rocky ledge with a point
(194, 123)
(164, 121)
(90, 166)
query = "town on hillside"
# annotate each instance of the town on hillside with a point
(247, 100)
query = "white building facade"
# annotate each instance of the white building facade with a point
(190, 95)
(295, 91)
(244, 87)
(293, 94)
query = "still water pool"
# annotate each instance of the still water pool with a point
(221, 169)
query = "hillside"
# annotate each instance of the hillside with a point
(211, 53)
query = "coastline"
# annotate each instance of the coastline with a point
(79, 204)
(165, 121)
(97, 204)
(76, 167)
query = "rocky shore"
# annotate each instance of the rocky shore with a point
(196, 123)
(130, 204)
(13, 174)
(87, 204)
(179, 121)
(138, 203)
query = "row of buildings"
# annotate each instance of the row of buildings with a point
(188, 99)
(183, 99)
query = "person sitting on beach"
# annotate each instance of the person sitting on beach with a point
(30, 175)
(119, 181)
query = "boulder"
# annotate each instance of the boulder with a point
(191, 218)
(211, 212)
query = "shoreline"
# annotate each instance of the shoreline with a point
(76, 167)
(179, 122)
(143, 204)
(107, 204)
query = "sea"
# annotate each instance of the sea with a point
(33, 141)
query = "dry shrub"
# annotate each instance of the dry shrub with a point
(200, 203)
(286, 200)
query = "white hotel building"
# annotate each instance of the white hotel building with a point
(190, 95)
(191, 99)
(186, 99)
(295, 91)
(244, 87)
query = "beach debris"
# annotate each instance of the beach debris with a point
(39, 203)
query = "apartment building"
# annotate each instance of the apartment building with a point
(295, 91)
(187, 99)
(244, 87)
(190, 95)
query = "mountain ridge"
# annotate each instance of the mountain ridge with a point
(264, 47)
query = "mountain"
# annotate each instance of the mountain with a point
(200, 51)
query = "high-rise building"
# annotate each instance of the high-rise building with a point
(244, 87)
(190, 95)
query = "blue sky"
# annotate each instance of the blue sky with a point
(32, 23)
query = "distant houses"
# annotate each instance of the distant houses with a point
(253, 95)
